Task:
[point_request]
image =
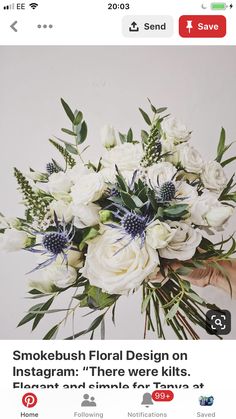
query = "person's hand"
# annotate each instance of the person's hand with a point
(211, 276)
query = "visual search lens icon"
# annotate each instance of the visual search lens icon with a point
(33, 5)
(218, 322)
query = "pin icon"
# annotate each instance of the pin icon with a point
(29, 400)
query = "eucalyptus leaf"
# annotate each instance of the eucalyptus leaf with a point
(71, 149)
(39, 316)
(52, 333)
(144, 136)
(195, 297)
(130, 136)
(145, 117)
(67, 131)
(83, 132)
(78, 118)
(146, 302)
(68, 110)
(91, 328)
(127, 200)
(172, 312)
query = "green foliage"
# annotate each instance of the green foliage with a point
(89, 233)
(150, 140)
(227, 194)
(175, 212)
(70, 161)
(95, 298)
(127, 138)
(94, 325)
(222, 148)
(79, 128)
(36, 202)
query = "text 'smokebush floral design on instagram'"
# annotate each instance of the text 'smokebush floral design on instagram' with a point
(144, 215)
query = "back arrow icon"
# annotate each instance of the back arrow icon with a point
(13, 26)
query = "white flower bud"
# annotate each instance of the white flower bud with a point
(108, 136)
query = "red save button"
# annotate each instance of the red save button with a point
(201, 26)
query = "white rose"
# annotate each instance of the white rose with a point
(54, 276)
(89, 188)
(126, 156)
(190, 159)
(184, 242)
(186, 194)
(59, 183)
(201, 207)
(12, 240)
(217, 216)
(160, 173)
(62, 209)
(77, 172)
(159, 234)
(175, 130)
(108, 136)
(86, 215)
(115, 267)
(213, 176)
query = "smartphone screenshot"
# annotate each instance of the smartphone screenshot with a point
(117, 209)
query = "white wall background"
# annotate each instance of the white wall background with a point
(108, 84)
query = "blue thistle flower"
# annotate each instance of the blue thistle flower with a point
(167, 191)
(131, 224)
(53, 243)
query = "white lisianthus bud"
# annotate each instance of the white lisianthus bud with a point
(159, 234)
(213, 176)
(75, 259)
(108, 136)
(218, 215)
(105, 215)
(53, 277)
(36, 176)
(12, 240)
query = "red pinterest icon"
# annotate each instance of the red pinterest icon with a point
(29, 400)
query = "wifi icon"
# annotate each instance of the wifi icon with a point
(33, 5)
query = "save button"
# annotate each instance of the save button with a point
(202, 26)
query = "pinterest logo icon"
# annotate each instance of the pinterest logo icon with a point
(29, 400)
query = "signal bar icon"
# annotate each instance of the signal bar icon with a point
(9, 7)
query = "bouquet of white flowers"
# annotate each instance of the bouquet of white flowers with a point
(109, 228)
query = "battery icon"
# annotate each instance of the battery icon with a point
(218, 6)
